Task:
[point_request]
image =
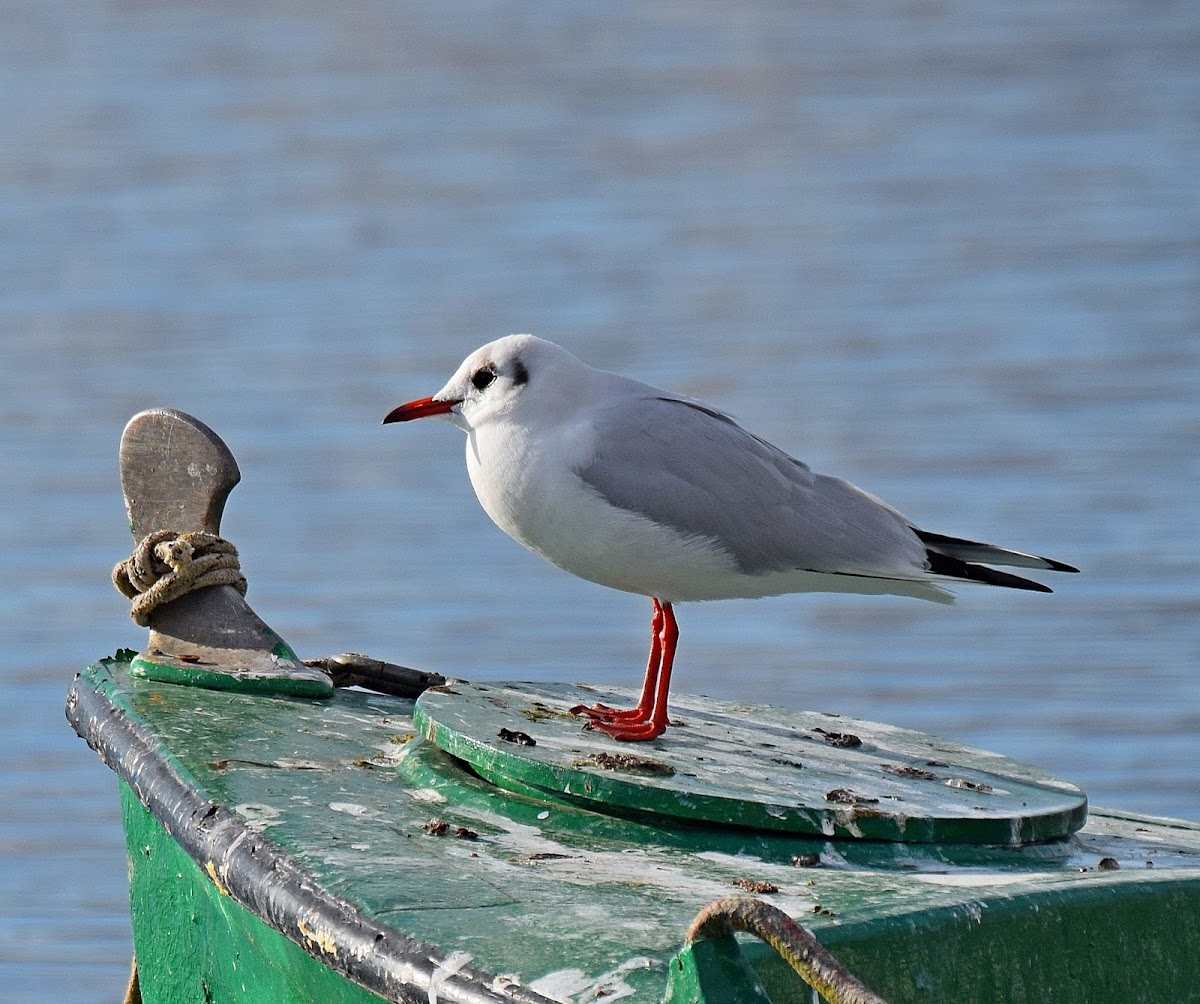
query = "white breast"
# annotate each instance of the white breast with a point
(534, 496)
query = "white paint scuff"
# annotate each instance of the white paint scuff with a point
(451, 965)
(573, 986)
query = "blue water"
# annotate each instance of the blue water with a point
(949, 252)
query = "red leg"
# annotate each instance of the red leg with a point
(655, 725)
(645, 705)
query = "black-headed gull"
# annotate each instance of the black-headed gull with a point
(655, 493)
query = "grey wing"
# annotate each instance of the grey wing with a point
(694, 469)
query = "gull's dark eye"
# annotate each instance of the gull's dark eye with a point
(482, 377)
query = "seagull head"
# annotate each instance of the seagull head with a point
(497, 380)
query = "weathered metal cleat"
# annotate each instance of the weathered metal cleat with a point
(184, 580)
(353, 669)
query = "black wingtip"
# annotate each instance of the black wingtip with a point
(956, 568)
(977, 552)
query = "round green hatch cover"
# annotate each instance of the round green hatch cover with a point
(749, 765)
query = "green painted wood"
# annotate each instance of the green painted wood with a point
(571, 901)
(713, 971)
(1122, 943)
(751, 766)
(195, 944)
(286, 683)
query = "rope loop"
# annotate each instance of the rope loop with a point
(795, 943)
(166, 565)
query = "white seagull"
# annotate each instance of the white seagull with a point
(655, 493)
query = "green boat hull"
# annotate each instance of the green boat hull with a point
(194, 942)
(285, 850)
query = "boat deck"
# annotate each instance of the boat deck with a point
(337, 827)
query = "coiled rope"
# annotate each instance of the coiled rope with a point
(796, 944)
(165, 565)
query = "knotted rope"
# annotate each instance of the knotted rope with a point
(165, 565)
(795, 943)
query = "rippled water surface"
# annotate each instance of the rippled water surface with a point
(947, 251)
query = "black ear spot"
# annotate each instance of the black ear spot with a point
(520, 373)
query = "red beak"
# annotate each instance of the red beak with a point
(422, 408)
